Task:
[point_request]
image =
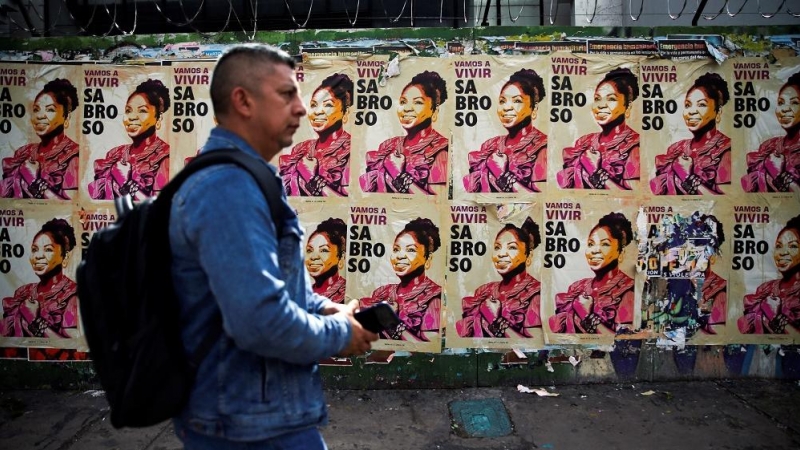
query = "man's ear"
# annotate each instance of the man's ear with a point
(241, 101)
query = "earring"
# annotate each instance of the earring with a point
(435, 116)
(158, 124)
(427, 264)
(66, 123)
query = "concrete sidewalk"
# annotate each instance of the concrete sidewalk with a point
(740, 414)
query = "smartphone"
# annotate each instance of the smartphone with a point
(378, 317)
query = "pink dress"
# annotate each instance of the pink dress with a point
(612, 306)
(527, 163)
(758, 178)
(149, 171)
(759, 318)
(332, 288)
(58, 306)
(711, 165)
(426, 163)
(715, 294)
(419, 304)
(58, 170)
(519, 309)
(334, 165)
(619, 160)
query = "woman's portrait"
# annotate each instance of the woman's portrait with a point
(140, 168)
(775, 166)
(321, 166)
(509, 307)
(47, 169)
(608, 159)
(411, 164)
(416, 298)
(517, 160)
(325, 258)
(604, 301)
(775, 306)
(701, 164)
(49, 307)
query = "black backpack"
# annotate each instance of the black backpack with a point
(129, 308)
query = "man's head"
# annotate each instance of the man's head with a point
(255, 95)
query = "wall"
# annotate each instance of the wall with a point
(664, 335)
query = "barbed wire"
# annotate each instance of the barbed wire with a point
(191, 21)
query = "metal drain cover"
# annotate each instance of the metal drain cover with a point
(480, 418)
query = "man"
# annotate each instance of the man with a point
(259, 387)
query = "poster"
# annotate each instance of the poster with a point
(396, 254)
(325, 248)
(401, 137)
(494, 276)
(38, 289)
(765, 270)
(589, 293)
(126, 127)
(684, 256)
(318, 163)
(499, 127)
(595, 115)
(766, 121)
(686, 127)
(89, 219)
(40, 128)
(192, 112)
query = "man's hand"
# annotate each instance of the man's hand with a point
(360, 339)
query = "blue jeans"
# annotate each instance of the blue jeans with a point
(309, 439)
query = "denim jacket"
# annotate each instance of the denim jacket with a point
(260, 379)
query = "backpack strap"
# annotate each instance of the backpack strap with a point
(270, 185)
(268, 181)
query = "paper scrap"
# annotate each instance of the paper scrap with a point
(574, 361)
(541, 392)
(549, 366)
(648, 392)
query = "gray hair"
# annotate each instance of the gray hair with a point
(243, 65)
